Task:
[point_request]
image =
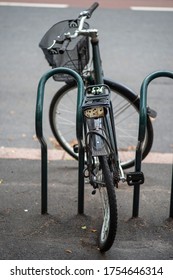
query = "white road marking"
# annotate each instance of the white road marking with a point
(46, 5)
(152, 9)
(33, 5)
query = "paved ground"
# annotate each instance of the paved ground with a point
(26, 234)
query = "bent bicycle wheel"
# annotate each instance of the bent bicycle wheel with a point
(109, 207)
(62, 116)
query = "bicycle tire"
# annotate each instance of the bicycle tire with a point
(118, 91)
(110, 216)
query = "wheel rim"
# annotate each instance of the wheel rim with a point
(63, 124)
(106, 215)
(64, 128)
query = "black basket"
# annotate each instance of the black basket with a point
(76, 56)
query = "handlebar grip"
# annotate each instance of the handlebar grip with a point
(64, 45)
(92, 9)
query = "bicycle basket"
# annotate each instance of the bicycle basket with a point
(76, 56)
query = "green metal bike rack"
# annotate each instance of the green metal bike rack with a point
(141, 136)
(41, 138)
(79, 134)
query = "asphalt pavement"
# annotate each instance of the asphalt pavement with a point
(138, 43)
(62, 234)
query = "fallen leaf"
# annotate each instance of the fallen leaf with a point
(84, 227)
(73, 142)
(68, 251)
(34, 137)
(54, 143)
(93, 230)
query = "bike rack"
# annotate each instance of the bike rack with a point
(41, 138)
(79, 134)
(141, 136)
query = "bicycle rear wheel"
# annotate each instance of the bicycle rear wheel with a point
(109, 207)
(62, 116)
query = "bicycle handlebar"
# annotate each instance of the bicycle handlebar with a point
(92, 9)
(82, 17)
(64, 45)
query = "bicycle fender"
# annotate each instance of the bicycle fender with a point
(98, 145)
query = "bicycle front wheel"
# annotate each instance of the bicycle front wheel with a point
(109, 207)
(62, 116)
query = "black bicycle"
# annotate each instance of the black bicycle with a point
(110, 114)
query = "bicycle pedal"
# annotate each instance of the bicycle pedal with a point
(93, 192)
(135, 178)
(76, 148)
(152, 113)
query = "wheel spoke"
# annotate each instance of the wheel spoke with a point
(126, 116)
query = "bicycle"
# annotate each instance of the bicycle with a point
(107, 106)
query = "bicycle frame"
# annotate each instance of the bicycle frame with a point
(98, 71)
(101, 129)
